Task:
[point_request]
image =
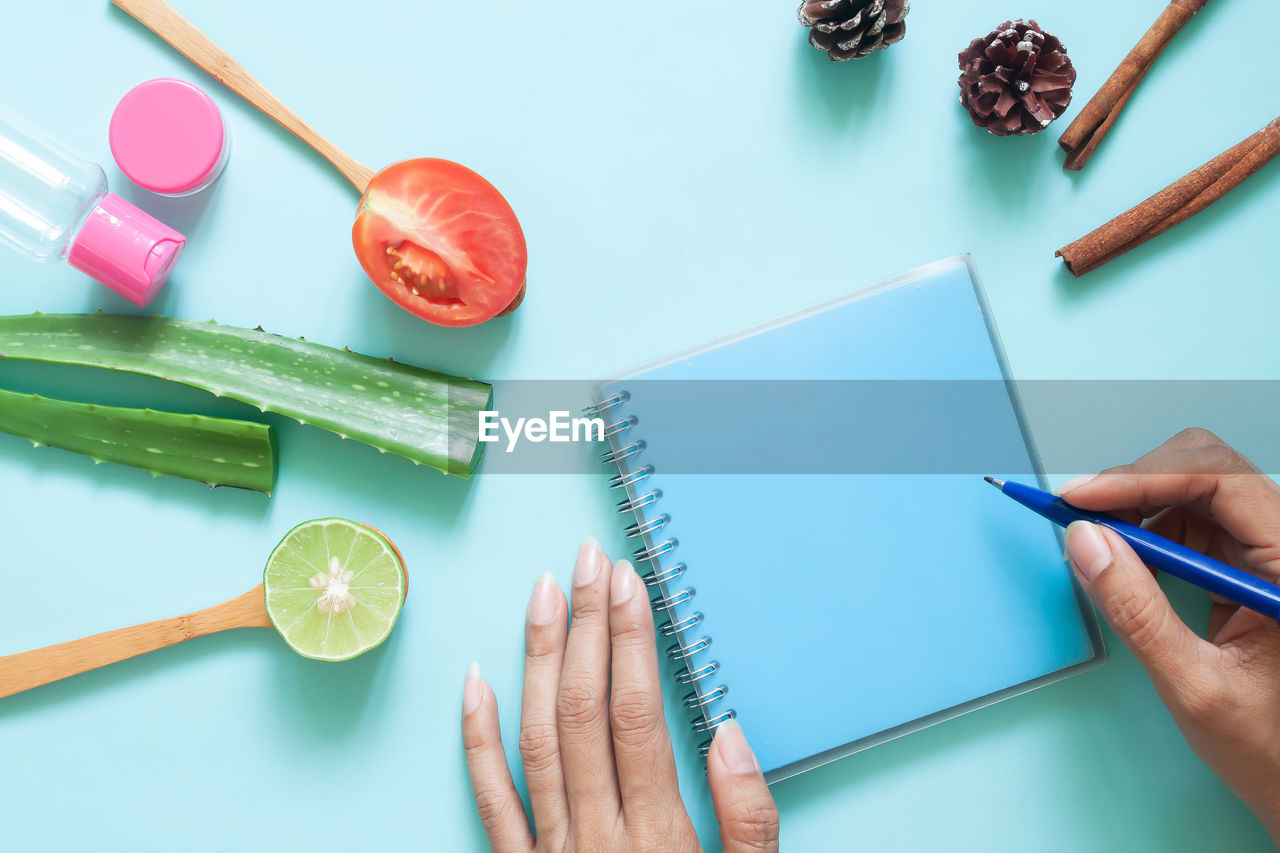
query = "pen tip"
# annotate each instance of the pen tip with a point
(999, 484)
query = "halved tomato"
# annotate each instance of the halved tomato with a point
(441, 242)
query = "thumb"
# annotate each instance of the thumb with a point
(1136, 608)
(745, 809)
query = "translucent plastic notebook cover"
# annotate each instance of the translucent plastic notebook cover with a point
(841, 611)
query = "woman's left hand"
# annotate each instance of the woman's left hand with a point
(597, 755)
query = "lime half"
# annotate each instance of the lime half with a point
(334, 588)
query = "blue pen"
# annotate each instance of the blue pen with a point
(1157, 552)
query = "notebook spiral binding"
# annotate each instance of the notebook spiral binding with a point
(659, 579)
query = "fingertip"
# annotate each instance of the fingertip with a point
(591, 575)
(544, 603)
(1089, 550)
(731, 750)
(501, 811)
(473, 690)
(630, 621)
(1122, 551)
(1075, 483)
(622, 583)
(587, 566)
(1133, 604)
(1108, 490)
(744, 806)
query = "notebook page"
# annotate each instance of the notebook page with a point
(844, 607)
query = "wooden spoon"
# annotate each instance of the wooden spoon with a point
(491, 284)
(26, 670)
(163, 20)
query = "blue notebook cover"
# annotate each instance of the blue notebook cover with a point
(832, 595)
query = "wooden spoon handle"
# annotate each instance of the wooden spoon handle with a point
(163, 20)
(26, 670)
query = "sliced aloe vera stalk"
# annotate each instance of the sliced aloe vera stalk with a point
(217, 451)
(428, 417)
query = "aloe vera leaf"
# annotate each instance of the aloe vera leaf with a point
(428, 417)
(217, 451)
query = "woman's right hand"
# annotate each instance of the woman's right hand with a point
(1224, 692)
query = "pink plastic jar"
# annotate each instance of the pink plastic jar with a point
(168, 137)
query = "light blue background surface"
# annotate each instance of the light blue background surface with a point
(680, 171)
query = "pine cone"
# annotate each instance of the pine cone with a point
(1016, 80)
(851, 28)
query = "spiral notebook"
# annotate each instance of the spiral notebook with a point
(833, 605)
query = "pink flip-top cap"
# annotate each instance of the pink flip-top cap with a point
(128, 250)
(168, 137)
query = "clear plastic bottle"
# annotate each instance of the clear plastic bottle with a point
(54, 205)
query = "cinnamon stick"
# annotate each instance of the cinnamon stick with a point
(1084, 134)
(1174, 204)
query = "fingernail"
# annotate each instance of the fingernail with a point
(542, 604)
(472, 689)
(1088, 548)
(731, 746)
(623, 583)
(1075, 483)
(587, 569)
